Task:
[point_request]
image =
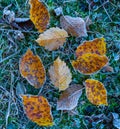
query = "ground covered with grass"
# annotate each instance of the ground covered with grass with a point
(105, 19)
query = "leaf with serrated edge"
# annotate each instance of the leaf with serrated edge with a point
(32, 69)
(60, 74)
(69, 98)
(73, 25)
(52, 38)
(97, 46)
(37, 109)
(39, 15)
(89, 63)
(96, 92)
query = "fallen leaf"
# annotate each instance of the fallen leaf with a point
(69, 98)
(24, 23)
(116, 123)
(20, 89)
(107, 68)
(96, 92)
(32, 69)
(90, 63)
(53, 38)
(73, 25)
(60, 74)
(97, 46)
(115, 119)
(38, 110)
(39, 15)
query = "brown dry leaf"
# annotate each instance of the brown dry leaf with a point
(60, 74)
(107, 68)
(32, 69)
(73, 25)
(69, 98)
(90, 63)
(38, 110)
(39, 15)
(53, 38)
(97, 46)
(96, 92)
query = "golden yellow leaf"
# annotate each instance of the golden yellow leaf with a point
(97, 46)
(38, 110)
(69, 98)
(53, 38)
(60, 74)
(90, 63)
(73, 25)
(32, 69)
(96, 92)
(39, 15)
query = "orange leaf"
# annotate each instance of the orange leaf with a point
(74, 25)
(38, 110)
(53, 38)
(97, 46)
(32, 69)
(60, 74)
(69, 98)
(96, 92)
(39, 15)
(89, 63)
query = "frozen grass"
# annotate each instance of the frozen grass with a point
(106, 22)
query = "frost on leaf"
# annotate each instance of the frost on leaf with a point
(90, 63)
(53, 38)
(39, 15)
(60, 74)
(69, 98)
(38, 110)
(74, 25)
(96, 92)
(32, 69)
(97, 46)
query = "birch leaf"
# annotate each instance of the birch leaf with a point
(60, 74)
(52, 39)
(39, 14)
(90, 63)
(96, 92)
(73, 25)
(32, 69)
(38, 110)
(97, 46)
(69, 98)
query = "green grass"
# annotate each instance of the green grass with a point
(106, 22)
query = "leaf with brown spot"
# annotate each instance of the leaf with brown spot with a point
(60, 74)
(97, 46)
(69, 98)
(73, 25)
(96, 92)
(32, 69)
(53, 38)
(38, 110)
(89, 63)
(39, 15)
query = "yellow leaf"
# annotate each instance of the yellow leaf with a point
(73, 25)
(53, 38)
(90, 63)
(32, 69)
(38, 110)
(96, 92)
(60, 74)
(39, 15)
(97, 46)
